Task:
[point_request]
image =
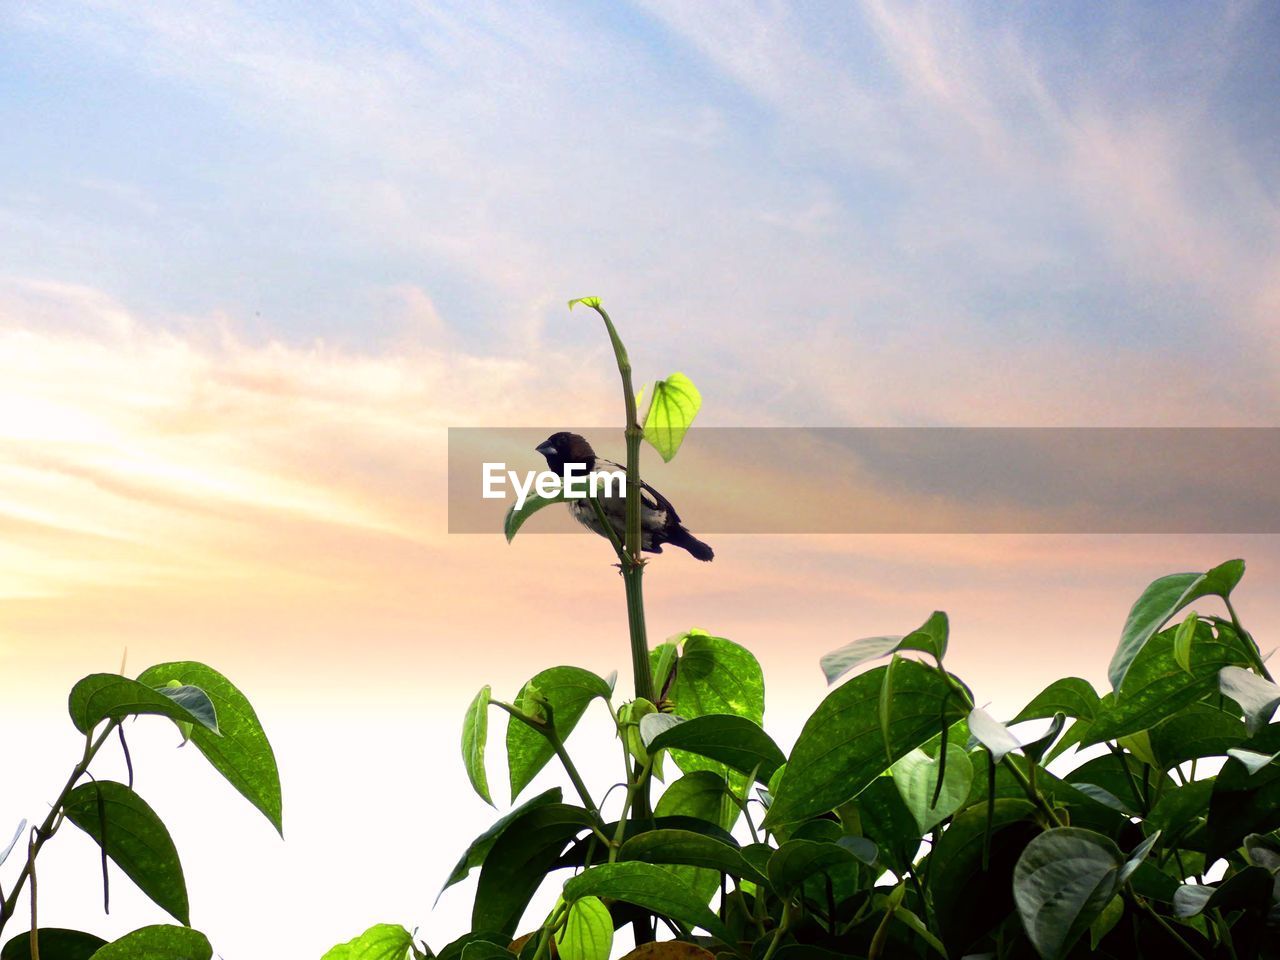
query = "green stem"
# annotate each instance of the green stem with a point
(548, 731)
(1169, 929)
(778, 934)
(632, 562)
(52, 821)
(1250, 645)
(1032, 793)
(634, 789)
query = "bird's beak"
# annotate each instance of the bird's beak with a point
(547, 449)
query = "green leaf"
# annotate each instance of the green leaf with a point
(1258, 697)
(55, 943)
(690, 849)
(797, 860)
(840, 751)
(735, 741)
(1243, 802)
(916, 777)
(475, 735)
(1159, 602)
(649, 887)
(484, 950)
(1070, 695)
(482, 844)
(109, 696)
(675, 403)
(930, 638)
(1156, 687)
(586, 302)
(1182, 641)
(886, 820)
(712, 676)
(135, 838)
(587, 933)
(518, 862)
(1035, 749)
(1198, 730)
(1106, 921)
(567, 691)
(702, 795)
(243, 754)
(160, 942)
(515, 519)
(1249, 889)
(968, 900)
(383, 941)
(1063, 881)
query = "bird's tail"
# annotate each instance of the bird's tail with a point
(683, 538)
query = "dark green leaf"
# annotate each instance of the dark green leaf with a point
(1249, 889)
(691, 849)
(482, 844)
(735, 741)
(649, 887)
(1156, 687)
(55, 944)
(515, 519)
(969, 901)
(841, 751)
(484, 950)
(1106, 921)
(886, 820)
(1063, 881)
(675, 403)
(243, 754)
(568, 691)
(930, 638)
(1159, 602)
(475, 736)
(160, 942)
(109, 696)
(519, 860)
(797, 860)
(1198, 730)
(1254, 762)
(1035, 749)
(134, 838)
(1071, 695)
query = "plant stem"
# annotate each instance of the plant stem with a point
(632, 562)
(633, 791)
(52, 821)
(1250, 645)
(548, 731)
(1169, 929)
(779, 933)
(1033, 794)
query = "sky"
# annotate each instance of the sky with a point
(255, 259)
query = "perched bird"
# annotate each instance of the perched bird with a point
(659, 522)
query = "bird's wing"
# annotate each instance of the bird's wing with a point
(654, 500)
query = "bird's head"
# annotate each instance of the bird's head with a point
(561, 448)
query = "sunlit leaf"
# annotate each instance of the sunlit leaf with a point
(675, 403)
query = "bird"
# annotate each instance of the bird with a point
(659, 522)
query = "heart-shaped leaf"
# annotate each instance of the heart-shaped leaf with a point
(916, 777)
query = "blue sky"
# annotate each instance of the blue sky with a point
(1036, 192)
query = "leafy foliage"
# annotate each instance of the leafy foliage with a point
(906, 820)
(209, 712)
